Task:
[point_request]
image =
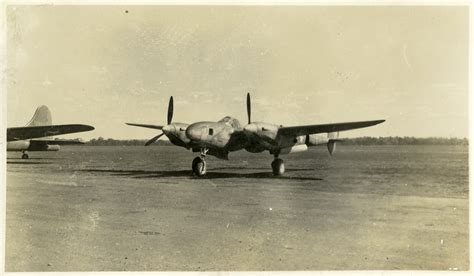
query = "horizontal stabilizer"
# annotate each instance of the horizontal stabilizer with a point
(144, 125)
(30, 132)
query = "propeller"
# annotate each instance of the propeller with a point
(170, 117)
(152, 140)
(170, 110)
(249, 111)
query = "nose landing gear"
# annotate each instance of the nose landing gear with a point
(24, 155)
(199, 165)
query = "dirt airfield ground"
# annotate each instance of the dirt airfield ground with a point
(139, 209)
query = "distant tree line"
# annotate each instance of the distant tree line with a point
(360, 141)
(134, 142)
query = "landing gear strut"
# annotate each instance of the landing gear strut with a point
(24, 155)
(278, 167)
(199, 164)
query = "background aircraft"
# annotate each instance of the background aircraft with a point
(227, 135)
(40, 126)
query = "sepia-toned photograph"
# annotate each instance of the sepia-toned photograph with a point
(236, 138)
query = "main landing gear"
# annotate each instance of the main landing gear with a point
(199, 164)
(278, 167)
(24, 155)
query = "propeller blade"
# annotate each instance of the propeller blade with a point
(152, 140)
(147, 126)
(248, 107)
(170, 110)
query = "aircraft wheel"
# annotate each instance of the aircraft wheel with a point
(278, 167)
(199, 166)
(24, 156)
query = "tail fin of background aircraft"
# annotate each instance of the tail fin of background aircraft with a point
(42, 117)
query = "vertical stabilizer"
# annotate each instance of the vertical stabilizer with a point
(42, 117)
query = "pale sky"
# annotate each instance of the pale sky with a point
(103, 66)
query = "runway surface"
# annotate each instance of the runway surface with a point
(139, 208)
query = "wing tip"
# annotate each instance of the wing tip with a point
(86, 127)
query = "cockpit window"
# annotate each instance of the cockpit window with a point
(232, 121)
(226, 119)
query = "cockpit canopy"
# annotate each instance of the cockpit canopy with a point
(231, 121)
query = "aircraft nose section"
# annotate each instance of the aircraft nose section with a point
(251, 128)
(193, 133)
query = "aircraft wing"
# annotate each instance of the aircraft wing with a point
(23, 133)
(314, 129)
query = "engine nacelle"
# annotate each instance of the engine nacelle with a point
(294, 149)
(42, 146)
(53, 147)
(18, 145)
(315, 140)
(31, 146)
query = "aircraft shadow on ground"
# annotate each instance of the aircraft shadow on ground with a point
(209, 175)
(254, 169)
(28, 163)
(33, 158)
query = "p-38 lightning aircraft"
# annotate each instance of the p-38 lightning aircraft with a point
(227, 135)
(40, 126)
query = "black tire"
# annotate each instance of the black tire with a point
(195, 161)
(278, 167)
(24, 156)
(199, 166)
